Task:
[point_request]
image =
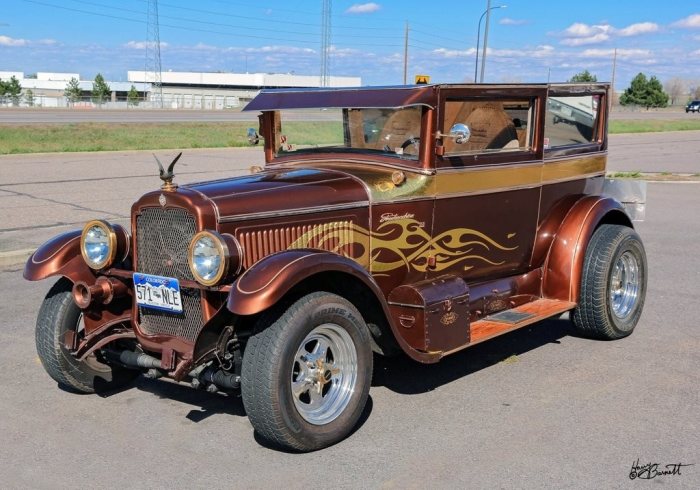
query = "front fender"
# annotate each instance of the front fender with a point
(269, 279)
(564, 264)
(59, 256)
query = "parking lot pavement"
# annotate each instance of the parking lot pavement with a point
(45, 194)
(674, 151)
(535, 408)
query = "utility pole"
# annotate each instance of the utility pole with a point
(405, 54)
(325, 42)
(486, 40)
(153, 64)
(612, 81)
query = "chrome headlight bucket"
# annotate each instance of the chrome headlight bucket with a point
(98, 244)
(212, 256)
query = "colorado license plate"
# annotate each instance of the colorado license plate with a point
(157, 292)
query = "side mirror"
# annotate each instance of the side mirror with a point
(253, 136)
(461, 133)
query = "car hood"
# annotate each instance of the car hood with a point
(276, 191)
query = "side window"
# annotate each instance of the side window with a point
(570, 120)
(494, 126)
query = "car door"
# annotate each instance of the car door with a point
(487, 185)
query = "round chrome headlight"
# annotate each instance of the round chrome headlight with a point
(209, 256)
(98, 244)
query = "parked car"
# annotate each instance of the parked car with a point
(693, 106)
(421, 219)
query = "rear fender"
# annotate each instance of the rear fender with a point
(271, 278)
(59, 256)
(564, 264)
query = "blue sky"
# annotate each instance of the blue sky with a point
(528, 40)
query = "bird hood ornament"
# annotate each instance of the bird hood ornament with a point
(167, 176)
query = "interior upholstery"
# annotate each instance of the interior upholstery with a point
(401, 126)
(490, 125)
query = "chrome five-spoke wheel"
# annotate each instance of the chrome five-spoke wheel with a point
(613, 283)
(624, 285)
(306, 373)
(324, 374)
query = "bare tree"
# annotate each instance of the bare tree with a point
(676, 88)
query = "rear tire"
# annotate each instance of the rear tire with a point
(306, 375)
(613, 284)
(57, 315)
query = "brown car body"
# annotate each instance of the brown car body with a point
(430, 248)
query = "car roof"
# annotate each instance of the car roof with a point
(389, 96)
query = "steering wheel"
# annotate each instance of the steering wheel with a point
(413, 140)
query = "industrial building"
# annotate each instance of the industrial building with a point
(200, 90)
(180, 90)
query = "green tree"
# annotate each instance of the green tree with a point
(73, 91)
(132, 98)
(645, 92)
(100, 90)
(11, 89)
(29, 97)
(583, 77)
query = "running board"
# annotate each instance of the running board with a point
(506, 321)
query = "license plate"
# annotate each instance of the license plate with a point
(157, 292)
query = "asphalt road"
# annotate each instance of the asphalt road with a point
(46, 116)
(536, 408)
(44, 194)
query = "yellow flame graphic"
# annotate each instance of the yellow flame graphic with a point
(404, 243)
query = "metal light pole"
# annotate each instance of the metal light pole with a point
(486, 35)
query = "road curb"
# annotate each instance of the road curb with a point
(15, 257)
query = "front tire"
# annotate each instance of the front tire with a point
(306, 374)
(57, 315)
(613, 284)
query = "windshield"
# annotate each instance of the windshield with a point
(389, 131)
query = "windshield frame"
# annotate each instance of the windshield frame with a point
(271, 129)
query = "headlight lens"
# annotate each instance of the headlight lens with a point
(98, 244)
(208, 256)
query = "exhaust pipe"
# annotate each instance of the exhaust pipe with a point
(104, 291)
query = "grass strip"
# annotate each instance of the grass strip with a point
(620, 126)
(41, 138)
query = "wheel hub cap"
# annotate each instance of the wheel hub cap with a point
(324, 374)
(624, 285)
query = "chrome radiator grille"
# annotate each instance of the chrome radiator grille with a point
(162, 238)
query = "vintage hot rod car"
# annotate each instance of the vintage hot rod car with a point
(421, 219)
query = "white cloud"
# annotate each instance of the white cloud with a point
(144, 44)
(280, 50)
(363, 8)
(454, 53)
(637, 29)
(507, 21)
(621, 53)
(580, 34)
(8, 41)
(692, 21)
(582, 41)
(579, 29)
